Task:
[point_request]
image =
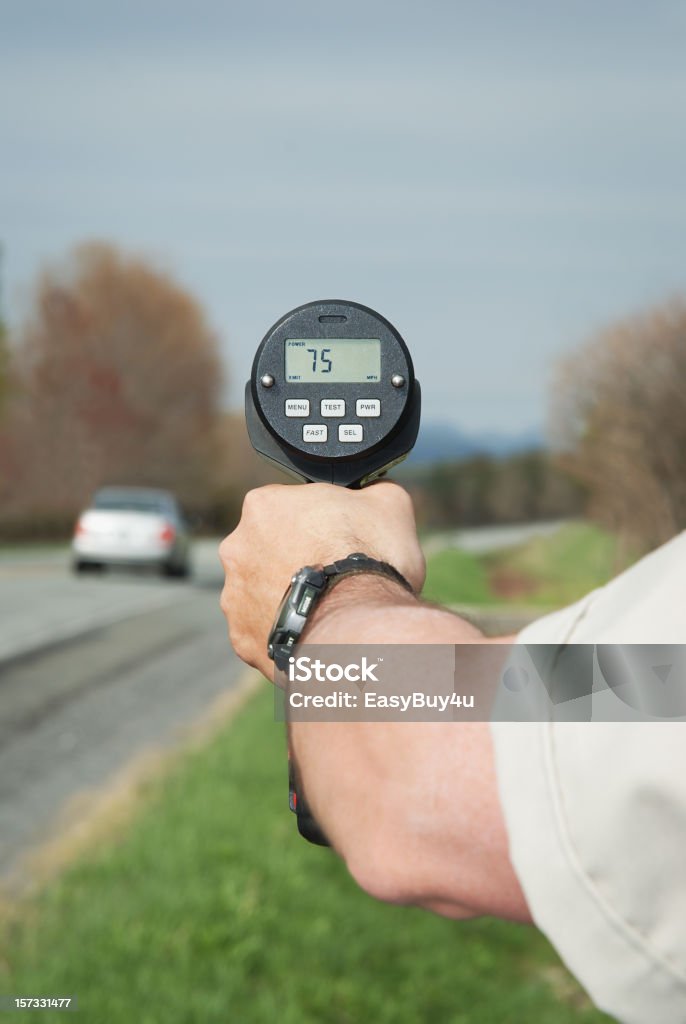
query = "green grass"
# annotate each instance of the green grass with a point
(212, 909)
(548, 571)
(562, 567)
(21, 548)
(456, 577)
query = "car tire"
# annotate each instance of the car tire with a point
(81, 567)
(177, 572)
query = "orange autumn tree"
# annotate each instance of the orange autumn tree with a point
(117, 378)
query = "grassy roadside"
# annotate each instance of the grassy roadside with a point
(546, 572)
(212, 909)
(33, 548)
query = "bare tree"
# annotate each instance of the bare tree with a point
(4, 369)
(619, 419)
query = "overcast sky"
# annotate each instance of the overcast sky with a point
(498, 179)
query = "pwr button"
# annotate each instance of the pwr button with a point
(368, 407)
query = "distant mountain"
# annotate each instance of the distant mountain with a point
(442, 442)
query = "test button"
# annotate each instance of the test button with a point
(350, 432)
(332, 407)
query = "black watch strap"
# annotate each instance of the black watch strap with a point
(359, 563)
(306, 589)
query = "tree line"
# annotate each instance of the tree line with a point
(618, 442)
(485, 490)
(115, 376)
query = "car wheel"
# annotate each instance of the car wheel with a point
(179, 572)
(80, 567)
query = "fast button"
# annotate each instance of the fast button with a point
(315, 433)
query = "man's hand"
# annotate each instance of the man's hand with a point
(283, 528)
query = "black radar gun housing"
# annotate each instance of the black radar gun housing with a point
(332, 396)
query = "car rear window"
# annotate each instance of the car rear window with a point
(121, 501)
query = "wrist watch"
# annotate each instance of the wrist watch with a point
(307, 587)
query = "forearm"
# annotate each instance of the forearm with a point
(411, 807)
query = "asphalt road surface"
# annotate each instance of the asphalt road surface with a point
(479, 540)
(94, 671)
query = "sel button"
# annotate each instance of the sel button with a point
(315, 433)
(350, 432)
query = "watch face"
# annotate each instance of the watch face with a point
(298, 602)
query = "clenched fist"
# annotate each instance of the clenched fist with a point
(283, 528)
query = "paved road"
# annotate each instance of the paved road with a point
(481, 539)
(96, 670)
(92, 672)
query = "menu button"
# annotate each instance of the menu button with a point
(297, 407)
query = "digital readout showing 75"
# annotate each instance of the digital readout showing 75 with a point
(337, 360)
(325, 364)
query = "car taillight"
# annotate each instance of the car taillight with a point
(80, 529)
(168, 533)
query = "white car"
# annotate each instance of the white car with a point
(132, 526)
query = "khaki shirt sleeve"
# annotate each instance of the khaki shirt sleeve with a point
(596, 812)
